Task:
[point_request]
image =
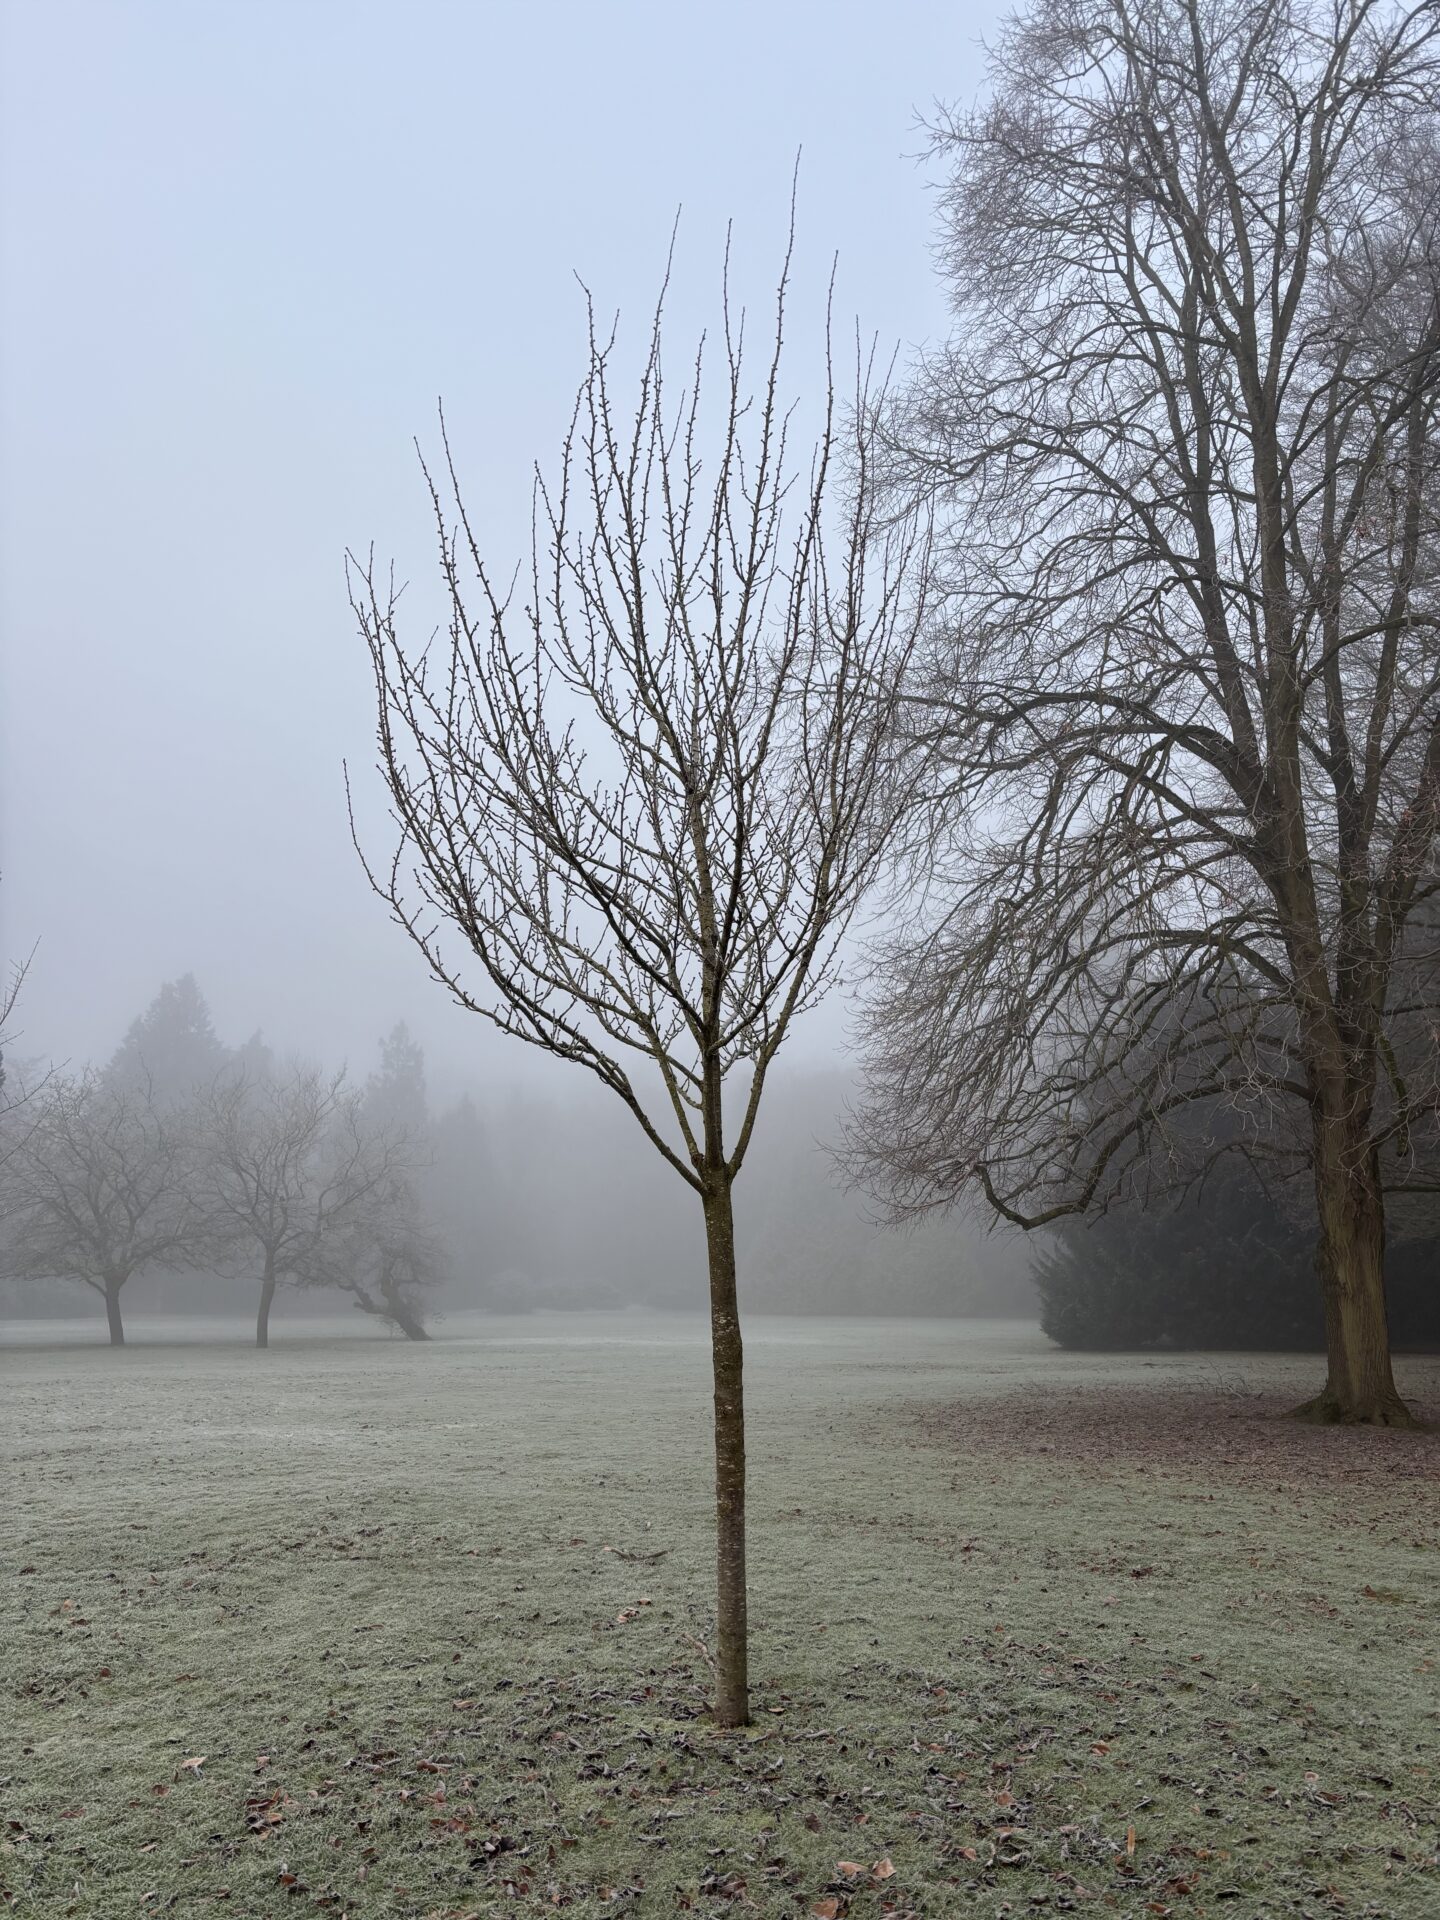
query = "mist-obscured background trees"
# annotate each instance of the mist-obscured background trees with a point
(495, 1196)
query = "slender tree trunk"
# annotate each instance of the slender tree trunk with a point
(732, 1690)
(1350, 1257)
(267, 1295)
(112, 1312)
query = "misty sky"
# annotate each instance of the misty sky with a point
(245, 245)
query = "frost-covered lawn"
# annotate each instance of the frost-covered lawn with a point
(355, 1627)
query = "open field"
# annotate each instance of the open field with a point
(361, 1628)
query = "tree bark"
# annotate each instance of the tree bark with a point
(732, 1690)
(267, 1295)
(404, 1315)
(112, 1312)
(1350, 1258)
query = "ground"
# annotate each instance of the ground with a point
(360, 1628)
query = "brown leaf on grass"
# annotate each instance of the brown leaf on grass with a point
(882, 1869)
(194, 1763)
(1129, 1841)
(826, 1909)
(811, 1820)
(850, 1868)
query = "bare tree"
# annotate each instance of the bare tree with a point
(383, 1255)
(293, 1179)
(1182, 728)
(645, 802)
(98, 1189)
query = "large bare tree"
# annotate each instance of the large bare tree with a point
(1181, 732)
(99, 1187)
(645, 802)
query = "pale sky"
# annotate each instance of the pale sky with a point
(245, 244)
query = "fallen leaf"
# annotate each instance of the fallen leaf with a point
(1129, 1840)
(882, 1869)
(850, 1868)
(194, 1763)
(826, 1909)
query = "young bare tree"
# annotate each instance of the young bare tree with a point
(293, 1179)
(98, 1188)
(1182, 733)
(646, 801)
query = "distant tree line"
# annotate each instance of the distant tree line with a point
(182, 1155)
(270, 1181)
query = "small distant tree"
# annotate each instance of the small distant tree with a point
(395, 1095)
(383, 1255)
(100, 1187)
(648, 802)
(291, 1175)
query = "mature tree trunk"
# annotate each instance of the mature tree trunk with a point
(112, 1312)
(732, 1691)
(1350, 1257)
(267, 1295)
(400, 1311)
(391, 1306)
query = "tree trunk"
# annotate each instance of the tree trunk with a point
(392, 1306)
(112, 1312)
(1350, 1258)
(267, 1295)
(403, 1314)
(732, 1690)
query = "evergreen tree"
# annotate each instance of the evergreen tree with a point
(171, 1049)
(395, 1096)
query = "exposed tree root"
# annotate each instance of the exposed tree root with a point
(1326, 1410)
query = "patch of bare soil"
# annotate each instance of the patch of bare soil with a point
(1228, 1436)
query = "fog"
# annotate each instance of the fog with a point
(244, 250)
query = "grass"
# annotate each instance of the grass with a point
(359, 1628)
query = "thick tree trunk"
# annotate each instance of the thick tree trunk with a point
(392, 1306)
(405, 1316)
(732, 1690)
(1350, 1257)
(112, 1312)
(267, 1295)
